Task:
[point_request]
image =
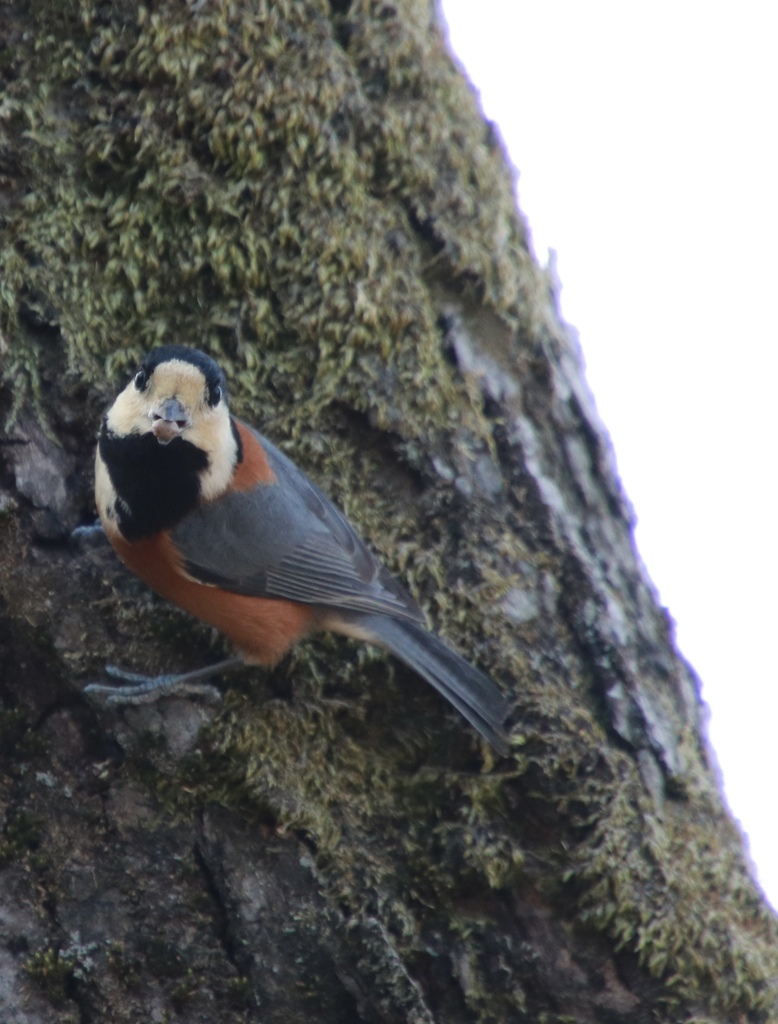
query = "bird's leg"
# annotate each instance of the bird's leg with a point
(147, 689)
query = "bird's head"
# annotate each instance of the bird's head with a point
(178, 395)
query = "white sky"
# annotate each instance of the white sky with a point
(645, 139)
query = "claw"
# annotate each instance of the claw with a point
(144, 689)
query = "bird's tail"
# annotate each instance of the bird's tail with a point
(471, 692)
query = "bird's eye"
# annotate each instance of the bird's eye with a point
(141, 379)
(216, 395)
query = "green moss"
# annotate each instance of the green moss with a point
(224, 188)
(240, 993)
(52, 974)
(126, 965)
(674, 888)
(20, 837)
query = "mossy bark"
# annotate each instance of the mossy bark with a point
(308, 191)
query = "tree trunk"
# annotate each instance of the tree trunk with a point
(309, 192)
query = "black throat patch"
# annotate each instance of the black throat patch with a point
(157, 485)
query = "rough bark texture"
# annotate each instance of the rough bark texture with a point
(308, 191)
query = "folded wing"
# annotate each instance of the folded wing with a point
(287, 540)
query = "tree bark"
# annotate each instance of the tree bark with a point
(309, 192)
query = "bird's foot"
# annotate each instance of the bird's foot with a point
(89, 536)
(142, 689)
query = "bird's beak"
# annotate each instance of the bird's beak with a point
(168, 420)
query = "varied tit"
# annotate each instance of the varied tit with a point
(217, 520)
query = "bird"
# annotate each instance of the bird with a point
(217, 520)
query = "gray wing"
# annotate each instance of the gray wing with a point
(287, 540)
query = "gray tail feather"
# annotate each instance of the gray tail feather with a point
(471, 692)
